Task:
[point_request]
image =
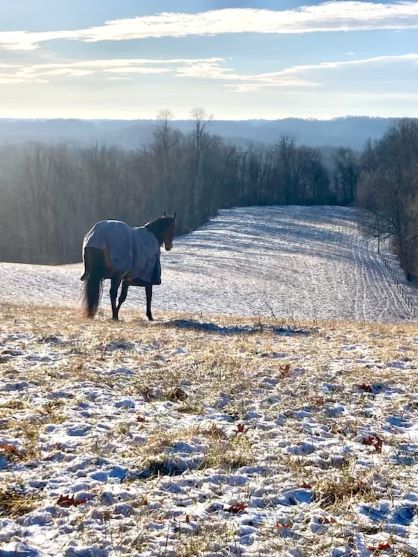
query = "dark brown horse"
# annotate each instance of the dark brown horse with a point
(113, 250)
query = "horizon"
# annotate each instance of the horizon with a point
(240, 60)
(156, 119)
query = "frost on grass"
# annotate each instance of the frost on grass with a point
(213, 437)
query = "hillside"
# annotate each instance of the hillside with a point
(273, 430)
(206, 437)
(349, 131)
(283, 262)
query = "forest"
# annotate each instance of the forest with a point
(51, 194)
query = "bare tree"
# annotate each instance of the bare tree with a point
(388, 188)
(345, 175)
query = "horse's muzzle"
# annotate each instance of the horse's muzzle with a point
(168, 247)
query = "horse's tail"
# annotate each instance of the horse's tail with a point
(93, 277)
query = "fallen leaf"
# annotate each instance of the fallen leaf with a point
(10, 449)
(374, 441)
(281, 526)
(365, 387)
(70, 501)
(285, 369)
(236, 508)
(177, 394)
(325, 520)
(380, 547)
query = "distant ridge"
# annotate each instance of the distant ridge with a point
(349, 131)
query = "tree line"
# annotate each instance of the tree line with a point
(388, 188)
(50, 195)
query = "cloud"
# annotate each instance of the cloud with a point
(123, 68)
(344, 15)
(308, 75)
(215, 69)
(376, 61)
(27, 40)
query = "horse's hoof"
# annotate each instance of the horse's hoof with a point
(150, 318)
(115, 318)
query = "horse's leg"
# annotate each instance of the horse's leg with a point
(123, 294)
(114, 286)
(148, 292)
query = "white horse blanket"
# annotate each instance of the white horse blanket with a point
(134, 252)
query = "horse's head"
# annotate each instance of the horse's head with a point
(169, 232)
(164, 229)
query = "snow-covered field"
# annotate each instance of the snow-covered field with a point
(201, 435)
(293, 262)
(211, 437)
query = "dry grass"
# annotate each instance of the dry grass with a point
(214, 537)
(14, 503)
(296, 406)
(340, 492)
(229, 454)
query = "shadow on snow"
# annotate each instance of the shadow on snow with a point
(209, 327)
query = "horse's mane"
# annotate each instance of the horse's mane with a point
(159, 226)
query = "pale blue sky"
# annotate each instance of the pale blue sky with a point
(130, 59)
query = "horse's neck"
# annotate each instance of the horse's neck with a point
(156, 230)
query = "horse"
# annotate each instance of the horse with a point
(131, 256)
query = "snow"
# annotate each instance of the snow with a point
(284, 262)
(213, 436)
(158, 448)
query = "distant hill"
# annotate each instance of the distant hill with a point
(130, 134)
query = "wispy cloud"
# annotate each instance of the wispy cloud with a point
(344, 15)
(313, 74)
(239, 81)
(125, 68)
(111, 68)
(213, 69)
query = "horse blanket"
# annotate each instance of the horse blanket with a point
(134, 252)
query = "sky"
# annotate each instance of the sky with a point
(130, 59)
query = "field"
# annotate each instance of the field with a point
(288, 427)
(284, 262)
(207, 437)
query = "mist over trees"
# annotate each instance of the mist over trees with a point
(347, 131)
(51, 194)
